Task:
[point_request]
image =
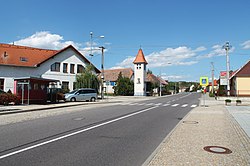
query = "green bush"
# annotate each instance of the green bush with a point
(211, 94)
(6, 98)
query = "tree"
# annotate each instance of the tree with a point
(124, 86)
(87, 79)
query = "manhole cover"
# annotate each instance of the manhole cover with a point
(217, 149)
(190, 122)
(78, 119)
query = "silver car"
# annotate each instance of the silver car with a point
(84, 94)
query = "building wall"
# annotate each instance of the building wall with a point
(8, 73)
(243, 86)
(70, 57)
(139, 79)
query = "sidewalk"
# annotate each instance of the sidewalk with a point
(214, 125)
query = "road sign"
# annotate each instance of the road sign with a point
(204, 81)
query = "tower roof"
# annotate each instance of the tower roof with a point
(140, 58)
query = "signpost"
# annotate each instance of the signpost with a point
(204, 83)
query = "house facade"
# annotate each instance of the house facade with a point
(240, 81)
(111, 77)
(21, 61)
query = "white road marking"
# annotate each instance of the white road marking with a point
(75, 133)
(166, 104)
(150, 104)
(193, 106)
(175, 105)
(184, 105)
(158, 104)
(124, 103)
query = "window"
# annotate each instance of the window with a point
(55, 67)
(80, 68)
(35, 86)
(23, 59)
(138, 81)
(65, 85)
(72, 68)
(1, 84)
(138, 66)
(65, 68)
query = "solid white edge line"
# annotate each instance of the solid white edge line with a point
(74, 133)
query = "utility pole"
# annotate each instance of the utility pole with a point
(227, 47)
(212, 63)
(102, 67)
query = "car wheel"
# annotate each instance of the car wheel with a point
(73, 99)
(92, 99)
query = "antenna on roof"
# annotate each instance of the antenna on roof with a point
(13, 43)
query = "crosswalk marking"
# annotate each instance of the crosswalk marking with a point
(158, 104)
(184, 105)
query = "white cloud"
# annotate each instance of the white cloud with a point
(246, 44)
(217, 50)
(47, 40)
(170, 56)
(174, 77)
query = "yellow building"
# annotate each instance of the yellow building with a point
(240, 81)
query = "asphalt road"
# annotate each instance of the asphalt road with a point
(121, 134)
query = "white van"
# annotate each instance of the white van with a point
(84, 94)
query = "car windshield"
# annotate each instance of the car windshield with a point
(72, 92)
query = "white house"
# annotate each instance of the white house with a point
(111, 76)
(21, 61)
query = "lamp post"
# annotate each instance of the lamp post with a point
(102, 67)
(91, 42)
(91, 54)
(227, 47)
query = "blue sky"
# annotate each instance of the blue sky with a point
(179, 38)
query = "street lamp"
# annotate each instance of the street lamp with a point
(91, 42)
(91, 54)
(227, 47)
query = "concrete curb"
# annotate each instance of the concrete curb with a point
(17, 111)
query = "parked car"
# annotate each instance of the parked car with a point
(84, 94)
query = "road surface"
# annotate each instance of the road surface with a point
(119, 134)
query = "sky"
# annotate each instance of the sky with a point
(179, 38)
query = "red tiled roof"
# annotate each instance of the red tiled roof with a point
(14, 55)
(152, 78)
(23, 56)
(215, 83)
(140, 58)
(244, 71)
(112, 74)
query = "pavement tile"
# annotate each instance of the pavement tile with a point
(215, 127)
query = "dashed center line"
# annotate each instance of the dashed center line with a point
(184, 105)
(175, 105)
